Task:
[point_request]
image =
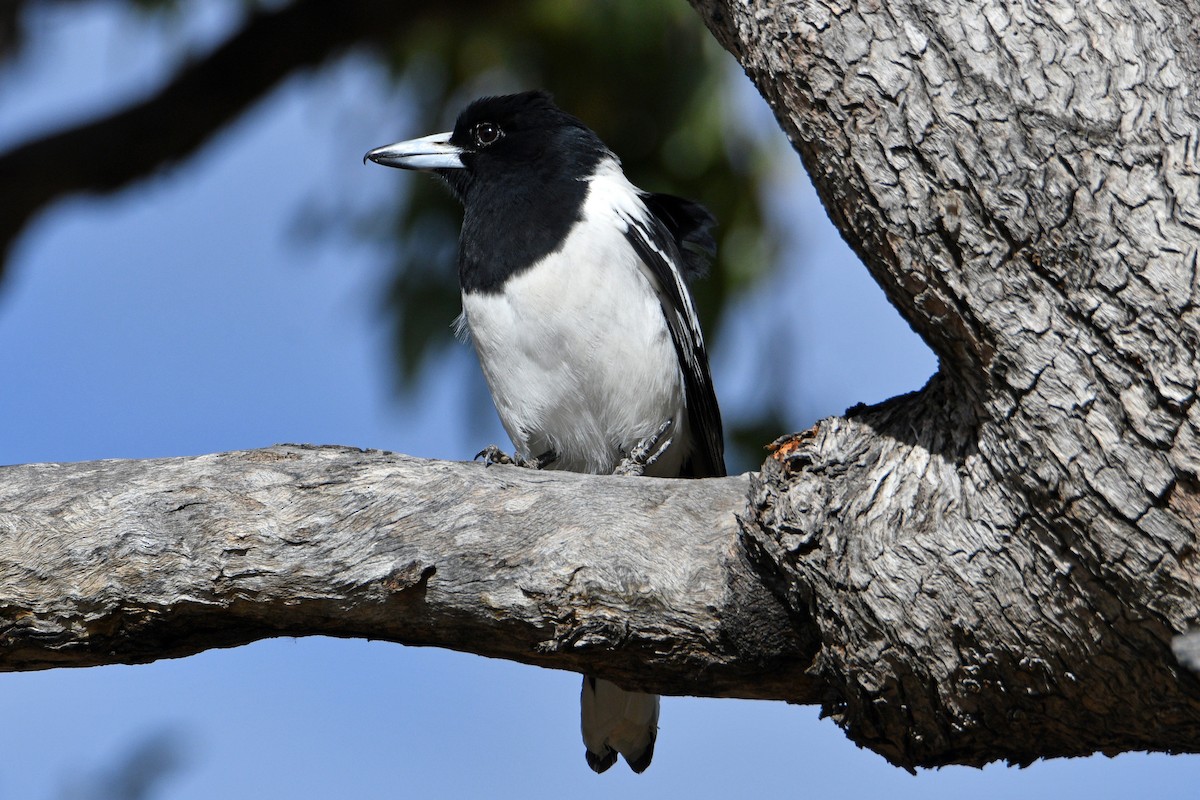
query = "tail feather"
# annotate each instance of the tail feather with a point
(602, 762)
(614, 720)
(640, 763)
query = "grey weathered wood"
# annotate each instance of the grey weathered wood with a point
(639, 580)
(996, 565)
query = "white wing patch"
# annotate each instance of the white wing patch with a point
(611, 189)
(658, 258)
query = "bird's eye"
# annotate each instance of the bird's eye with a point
(486, 133)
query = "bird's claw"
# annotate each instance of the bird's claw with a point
(494, 455)
(646, 452)
(540, 462)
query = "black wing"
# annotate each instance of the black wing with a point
(691, 226)
(675, 241)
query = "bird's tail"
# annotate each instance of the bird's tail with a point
(616, 721)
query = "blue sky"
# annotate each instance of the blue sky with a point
(192, 313)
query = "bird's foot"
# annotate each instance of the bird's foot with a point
(494, 455)
(646, 452)
(539, 462)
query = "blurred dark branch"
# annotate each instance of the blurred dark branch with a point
(107, 154)
(139, 773)
(10, 29)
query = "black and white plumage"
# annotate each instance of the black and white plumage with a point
(574, 293)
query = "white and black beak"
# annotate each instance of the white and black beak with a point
(429, 153)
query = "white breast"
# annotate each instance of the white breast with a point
(576, 350)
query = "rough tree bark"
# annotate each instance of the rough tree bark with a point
(990, 568)
(995, 565)
(130, 561)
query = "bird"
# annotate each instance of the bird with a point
(575, 295)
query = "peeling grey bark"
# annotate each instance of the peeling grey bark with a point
(996, 565)
(641, 581)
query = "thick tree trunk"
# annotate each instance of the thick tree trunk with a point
(995, 566)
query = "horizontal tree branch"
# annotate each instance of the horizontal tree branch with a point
(638, 580)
